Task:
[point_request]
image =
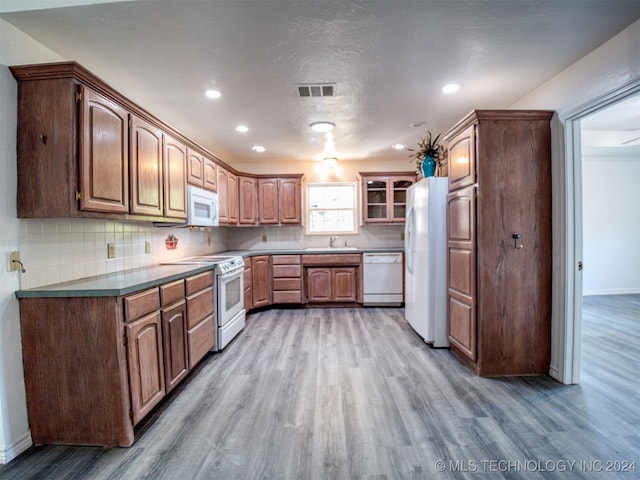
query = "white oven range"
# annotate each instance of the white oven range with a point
(228, 294)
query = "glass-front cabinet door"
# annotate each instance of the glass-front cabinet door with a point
(384, 198)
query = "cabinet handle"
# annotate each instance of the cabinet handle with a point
(43, 137)
(516, 237)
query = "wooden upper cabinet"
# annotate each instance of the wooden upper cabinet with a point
(461, 159)
(195, 168)
(223, 196)
(104, 154)
(145, 170)
(175, 192)
(279, 200)
(268, 213)
(210, 177)
(247, 201)
(232, 192)
(290, 204)
(384, 196)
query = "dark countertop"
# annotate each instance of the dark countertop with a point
(130, 281)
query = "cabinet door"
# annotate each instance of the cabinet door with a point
(261, 280)
(248, 188)
(175, 182)
(375, 199)
(195, 168)
(145, 363)
(319, 284)
(210, 175)
(268, 201)
(461, 244)
(233, 199)
(289, 202)
(223, 195)
(398, 205)
(145, 169)
(461, 159)
(343, 284)
(104, 154)
(174, 336)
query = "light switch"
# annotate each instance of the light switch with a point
(111, 250)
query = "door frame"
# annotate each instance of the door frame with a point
(568, 236)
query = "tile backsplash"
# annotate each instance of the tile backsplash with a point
(59, 250)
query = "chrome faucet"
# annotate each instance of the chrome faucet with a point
(331, 240)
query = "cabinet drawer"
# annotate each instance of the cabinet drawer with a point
(285, 259)
(280, 284)
(139, 304)
(198, 282)
(331, 259)
(171, 292)
(201, 339)
(286, 271)
(293, 296)
(199, 306)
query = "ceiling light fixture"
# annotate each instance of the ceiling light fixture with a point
(451, 88)
(329, 162)
(242, 128)
(398, 146)
(322, 127)
(258, 148)
(213, 93)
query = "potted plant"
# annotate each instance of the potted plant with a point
(428, 155)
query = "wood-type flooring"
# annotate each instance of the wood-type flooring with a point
(355, 394)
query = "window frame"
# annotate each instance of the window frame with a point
(354, 207)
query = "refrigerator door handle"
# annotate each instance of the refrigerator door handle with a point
(409, 239)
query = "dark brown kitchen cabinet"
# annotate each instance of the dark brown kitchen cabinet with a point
(499, 241)
(104, 154)
(145, 168)
(223, 195)
(261, 280)
(279, 200)
(319, 288)
(232, 192)
(332, 278)
(384, 197)
(286, 279)
(247, 201)
(95, 366)
(175, 193)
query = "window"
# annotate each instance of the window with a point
(331, 208)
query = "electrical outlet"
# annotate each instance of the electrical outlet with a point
(13, 265)
(147, 247)
(111, 250)
(209, 241)
(401, 235)
(264, 238)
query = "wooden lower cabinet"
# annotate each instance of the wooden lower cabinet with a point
(261, 280)
(286, 279)
(174, 335)
(145, 361)
(331, 284)
(95, 366)
(248, 284)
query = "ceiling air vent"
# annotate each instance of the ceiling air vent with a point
(317, 90)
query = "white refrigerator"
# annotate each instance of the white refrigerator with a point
(425, 241)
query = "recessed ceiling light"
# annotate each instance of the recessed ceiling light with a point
(398, 146)
(213, 93)
(322, 127)
(451, 88)
(242, 128)
(258, 148)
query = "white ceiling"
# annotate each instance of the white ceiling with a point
(388, 58)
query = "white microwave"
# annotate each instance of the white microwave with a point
(202, 207)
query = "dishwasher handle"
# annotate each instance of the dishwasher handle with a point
(382, 258)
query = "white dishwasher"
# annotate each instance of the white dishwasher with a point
(382, 278)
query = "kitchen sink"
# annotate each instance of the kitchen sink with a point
(331, 249)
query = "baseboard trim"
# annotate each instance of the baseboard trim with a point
(615, 291)
(9, 452)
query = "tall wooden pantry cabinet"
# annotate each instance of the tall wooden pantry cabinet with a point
(499, 241)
